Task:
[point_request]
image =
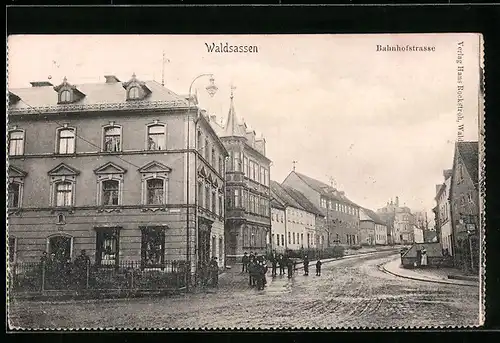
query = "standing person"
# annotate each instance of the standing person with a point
(424, 257)
(251, 271)
(318, 268)
(82, 263)
(252, 255)
(289, 264)
(306, 265)
(274, 262)
(281, 262)
(214, 272)
(419, 257)
(259, 275)
(244, 261)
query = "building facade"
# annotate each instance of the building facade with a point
(373, 230)
(341, 216)
(278, 226)
(248, 209)
(104, 168)
(443, 213)
(399, 221)
(299, 223)
(464, 201)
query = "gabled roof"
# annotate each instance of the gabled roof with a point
(275, 202)
(282, 195)
(367, 214)
(302, 200)
(324, 189)
(469, 151)
(97, 95)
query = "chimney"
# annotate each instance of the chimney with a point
(397, 201)
(111, 79)
(447, 173)
(41, 84)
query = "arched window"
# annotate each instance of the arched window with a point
(112, 139)
(133, 93)
(64, 194)
(66, 141)
(65, 96)
(156, 137)
(16, 142)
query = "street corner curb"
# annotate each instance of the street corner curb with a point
(387, 271)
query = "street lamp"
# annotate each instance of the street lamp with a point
(211, 89)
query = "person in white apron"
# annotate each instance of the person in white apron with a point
(424, 258)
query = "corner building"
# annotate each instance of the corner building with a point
(248, 209)
(103, 167)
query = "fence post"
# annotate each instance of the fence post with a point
(43, 276)
(87, 276)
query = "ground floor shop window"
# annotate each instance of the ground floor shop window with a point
(152, 246)
(107, 247)
(60, 248)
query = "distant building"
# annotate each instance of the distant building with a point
(319, 235)
(341, 215)
(103, 167)
(464, 201)
(418, 235)
(299, 223)
(400, 222)
(278, 225)
(373, 230)
(248, 210)
(443, 211)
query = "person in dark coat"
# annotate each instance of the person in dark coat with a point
(214, 272)
(306, 265)
(244, 261)
(289, 264)
(251, 271)
(318, 268)
(274, 263)
(419, 257)
(261, 270)
(281, 262)
(82, 263)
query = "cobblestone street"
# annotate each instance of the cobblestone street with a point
(351, 292)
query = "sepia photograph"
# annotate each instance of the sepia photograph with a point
(245, 181)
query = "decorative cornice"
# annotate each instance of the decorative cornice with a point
(124, 106)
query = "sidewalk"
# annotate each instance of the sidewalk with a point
(442, 275)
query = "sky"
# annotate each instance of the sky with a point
(381, 124)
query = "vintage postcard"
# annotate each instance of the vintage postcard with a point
(245, 181)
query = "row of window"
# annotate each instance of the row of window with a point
(210, 154)
(209, 197)
(279, 218)
(154, 186)
(254, 237)
(252, 170)
(108, 247)
(329, 204)
(244, 199)
(156, 139)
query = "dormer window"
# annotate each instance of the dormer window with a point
(65, 96)
(136, 90)
(68, 93)
(133, 93)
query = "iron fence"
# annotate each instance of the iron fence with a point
(124, 275)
